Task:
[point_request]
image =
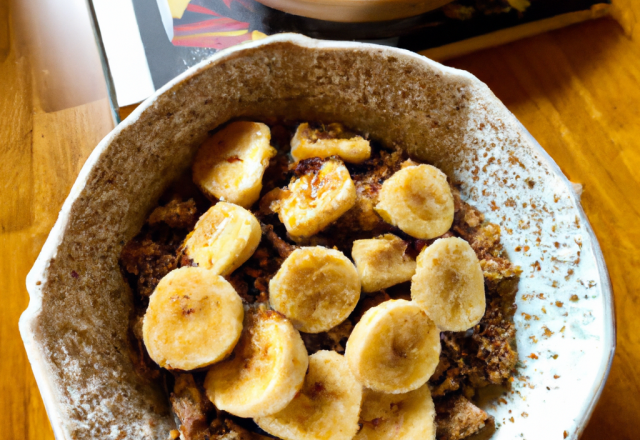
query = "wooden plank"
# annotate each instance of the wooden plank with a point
(62, 141)
(15, 126)
(19, 404)
(41, 153)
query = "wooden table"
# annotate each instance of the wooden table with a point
(577, 90)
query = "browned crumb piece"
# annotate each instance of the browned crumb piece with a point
(192, 408)
(251, 280)
(255, 275)
(241, 286)
(499, 273)
(493, 338)
(379, 168)
(484, 238)
(308, 166)
(148, 260)
(485, 358)
(449, 379)
(142, 363)
(368, 178)
(282, 247)
(458, 418)
(362, 216)
(154, 252)
(334, 339)
(277, 173)
(176, 214)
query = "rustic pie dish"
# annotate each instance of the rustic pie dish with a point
(75, 329)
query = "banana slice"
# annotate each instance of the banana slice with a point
(418, 200)
(194, 319)
(317, 288)
(266, 370)
(382, 262)
(229, 166)
(333, 140)
(449, 284)
(394, 348)
(316, 199)
(407, 416)
(326, 408)
(224, 237)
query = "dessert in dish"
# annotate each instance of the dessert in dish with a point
(371, 291)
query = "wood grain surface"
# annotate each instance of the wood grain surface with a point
(576, 90)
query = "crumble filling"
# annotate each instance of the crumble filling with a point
(481, 356)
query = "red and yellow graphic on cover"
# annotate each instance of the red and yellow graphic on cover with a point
(214, 24)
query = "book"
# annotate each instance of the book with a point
(146, 43)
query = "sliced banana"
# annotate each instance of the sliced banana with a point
(408, 416)
(449, 284)
(316, 199)
(266, 370)
(224, 237)
(317, 288)
(333, 140)
(194, 319)
(418, 200)
(326, 408)
(229, 166)
(382, 262)
(394, 348)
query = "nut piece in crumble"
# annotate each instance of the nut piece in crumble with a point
(192, 408)
(457, 418)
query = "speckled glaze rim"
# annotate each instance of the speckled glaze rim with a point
(39, 271)
(607, 289)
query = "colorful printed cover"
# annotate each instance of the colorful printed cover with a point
(215, 24)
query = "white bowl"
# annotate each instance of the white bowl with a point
(75, 329)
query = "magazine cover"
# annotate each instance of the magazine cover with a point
(146, 43)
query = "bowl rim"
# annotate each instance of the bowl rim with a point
(38, 274)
